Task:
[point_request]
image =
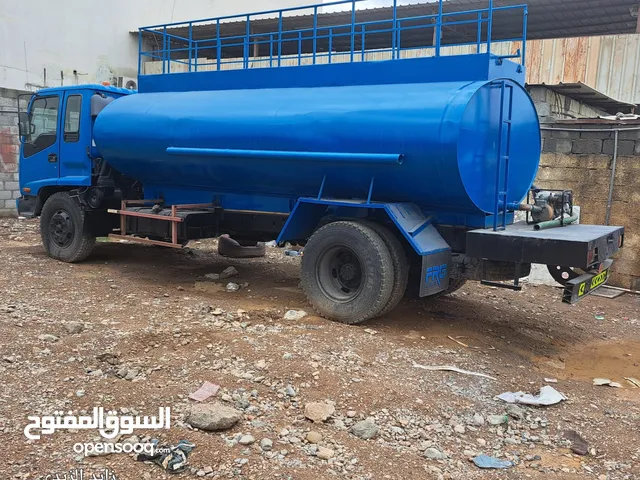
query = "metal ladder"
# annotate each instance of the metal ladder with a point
(504, 150)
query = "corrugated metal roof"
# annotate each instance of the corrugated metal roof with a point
(584, 93)
(547, 19)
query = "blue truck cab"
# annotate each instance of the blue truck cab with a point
(399, 173)
(57, 149)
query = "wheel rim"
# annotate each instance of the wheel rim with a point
(61, 228)
(339, 274)
(562, 274)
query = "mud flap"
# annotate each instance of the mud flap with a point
(436, 265)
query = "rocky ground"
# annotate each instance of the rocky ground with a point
(136, 328)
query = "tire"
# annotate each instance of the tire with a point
(400, 264)
(64, 230)
(347, 272)
(228, 247)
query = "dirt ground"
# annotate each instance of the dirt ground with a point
(167, 329)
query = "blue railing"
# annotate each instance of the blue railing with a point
(286, 47)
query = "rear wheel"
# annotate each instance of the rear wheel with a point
(64, 230)
(400, 264)
(347, 272)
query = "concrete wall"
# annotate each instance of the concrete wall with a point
(553, 106)
(78, 41)
(582, 162)
(9, 151)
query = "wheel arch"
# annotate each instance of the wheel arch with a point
(44, 193)
(407, 219)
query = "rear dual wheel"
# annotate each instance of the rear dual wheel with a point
(353, 271)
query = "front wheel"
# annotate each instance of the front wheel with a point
(64, 230)
(347, 272)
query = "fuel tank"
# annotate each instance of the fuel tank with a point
(434, 144)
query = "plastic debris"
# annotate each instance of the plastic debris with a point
(292, 253)
(600, 382)
(598, 316)
(232, 287)
(579, 445)
(485, 461)
(633, 381)
(174, 459)
(551, 380)
(271, 244)
(449, 368)
(207, 390)
(547, 396)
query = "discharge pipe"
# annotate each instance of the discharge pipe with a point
(556, 223)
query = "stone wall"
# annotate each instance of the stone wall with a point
(9, 151)
(581, 161)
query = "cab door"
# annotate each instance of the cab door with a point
(75, 165)
(39, 162)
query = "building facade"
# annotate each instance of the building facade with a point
(71, 42)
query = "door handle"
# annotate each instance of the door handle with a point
(53, 158)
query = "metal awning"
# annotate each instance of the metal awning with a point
(547, 19)
(590, 96)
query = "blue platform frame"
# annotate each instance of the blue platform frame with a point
(187, 50)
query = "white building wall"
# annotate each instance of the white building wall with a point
(88, 41)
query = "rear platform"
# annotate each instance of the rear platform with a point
(580, 246)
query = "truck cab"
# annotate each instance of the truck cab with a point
(57, 149)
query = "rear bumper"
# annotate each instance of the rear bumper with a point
(579, 246)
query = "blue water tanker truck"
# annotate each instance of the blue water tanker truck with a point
(399, 168)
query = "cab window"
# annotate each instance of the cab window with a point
(44, 125)
(72, 118)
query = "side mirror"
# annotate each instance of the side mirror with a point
(25, 128)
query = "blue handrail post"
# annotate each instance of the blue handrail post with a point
(524, 35)
(280, 38)
(363, 35)
(393, 30)
(439, 29)
(315, 32)
(353, 28)
(218, 47)
(330, 43)
(489, 26)
(169, 54)
(164, 50)
(479, 39)
(195, 66)
(271, 50)
(247, 40)
(139, 51)
(300, 48)
(190, 44)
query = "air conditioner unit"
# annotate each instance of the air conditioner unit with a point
(127, 82)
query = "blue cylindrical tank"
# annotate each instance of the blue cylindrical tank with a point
(445, 135)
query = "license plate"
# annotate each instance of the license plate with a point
(582, 286)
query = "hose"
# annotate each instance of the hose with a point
(555, 223)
